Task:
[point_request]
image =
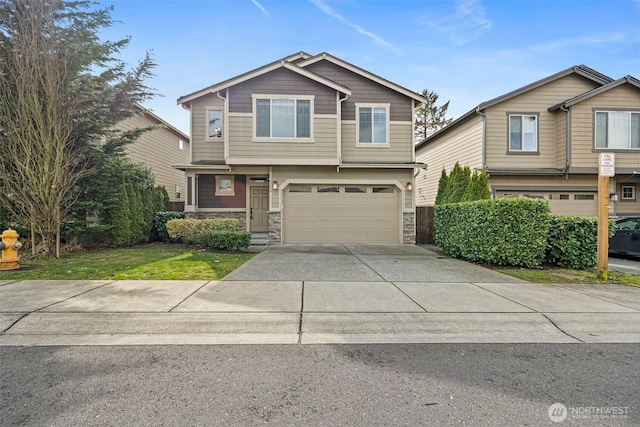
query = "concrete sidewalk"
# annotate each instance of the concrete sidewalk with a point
(313, 312)
(310, 294)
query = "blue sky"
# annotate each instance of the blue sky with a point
(468, 51)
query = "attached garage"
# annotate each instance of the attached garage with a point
(341, 214)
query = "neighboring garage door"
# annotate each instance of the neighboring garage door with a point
(581, 203)
(341, 214)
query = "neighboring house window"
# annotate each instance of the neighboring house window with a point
(629, 193)
(224, 185)
(617, 129)
(373, 124)
(283, 117)
(215, 125)
(523, 133)
(181, 144)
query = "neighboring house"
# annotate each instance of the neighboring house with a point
(159, 148)
(309, 149)
(543, 141)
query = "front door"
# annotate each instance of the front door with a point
(259, 209)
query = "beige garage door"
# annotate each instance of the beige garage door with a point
(341, 214)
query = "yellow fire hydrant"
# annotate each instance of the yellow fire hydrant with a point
(9, 246)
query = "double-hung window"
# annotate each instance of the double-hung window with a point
(373, 124)
(617, 129)
(283, 117)
(523, 133)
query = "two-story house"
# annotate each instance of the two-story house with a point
(543, 141)
(159, 148)
(309, 149)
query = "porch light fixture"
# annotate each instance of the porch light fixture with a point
(409, 186)
(274, 185)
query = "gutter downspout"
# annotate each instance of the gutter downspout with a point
(484, 136)
(339, 128)
(225, 133)
(568, 153)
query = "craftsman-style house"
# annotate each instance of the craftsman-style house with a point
(309, 149)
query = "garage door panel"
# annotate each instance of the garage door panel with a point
(343, 217)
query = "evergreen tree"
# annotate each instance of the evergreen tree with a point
(429, 118)
(443, 197)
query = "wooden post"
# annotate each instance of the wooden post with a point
(603, 226)
(606, 168)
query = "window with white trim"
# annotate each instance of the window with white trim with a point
(373, 124)
(214, 124)
(617, 129)
(279, 117)
(628, 193)
(523, 133)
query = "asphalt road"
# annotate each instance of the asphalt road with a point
(626, 265)
(321, 385)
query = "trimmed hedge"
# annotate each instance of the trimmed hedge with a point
(496, 231)
(160, 220)
(573, 242)
(228, 239)
(197, 230)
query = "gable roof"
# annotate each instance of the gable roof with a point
(581, 70)
(624, 80)
(344, 64)
(286, 63)
(162, 122)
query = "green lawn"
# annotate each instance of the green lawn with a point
(153, 262)
(562, 275)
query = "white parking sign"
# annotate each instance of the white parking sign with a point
(607, 164)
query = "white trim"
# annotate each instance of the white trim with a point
(264, 161)
(220, 210)
(387, 107)
(207, 137)
(255, 97)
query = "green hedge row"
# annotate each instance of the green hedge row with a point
(518, 232)
(197, 230)
(228, 239)
(497, 231)
(573, 242)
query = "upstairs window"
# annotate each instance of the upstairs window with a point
(373, 124)
(282, 117)
(215, 125)
(523, 133)
(617, 129)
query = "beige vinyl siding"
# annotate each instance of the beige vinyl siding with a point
(201, 148)
(400, 149)
(561, 140)
(329, 175)
(324, 144)
(626, 207)
(462, 145)
(582, 148)
(535, 101)
(159, 150)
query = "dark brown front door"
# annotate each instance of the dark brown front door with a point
(259, 209)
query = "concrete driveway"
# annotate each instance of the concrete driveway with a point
(361, 263)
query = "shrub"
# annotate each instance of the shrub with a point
(228, 239)
(197, 230)
(160, 220)
(573, 242)
(502, 231)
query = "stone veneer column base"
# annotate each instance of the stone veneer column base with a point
(240, 216)
(275, 227)
(409, 228)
